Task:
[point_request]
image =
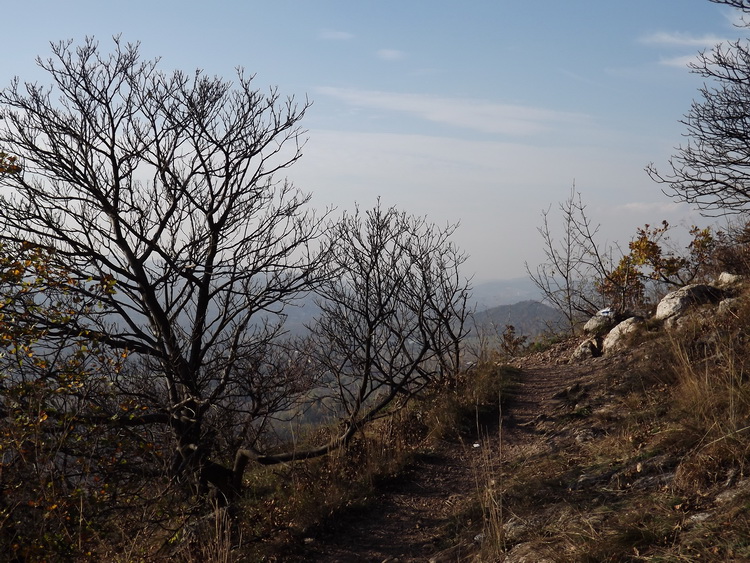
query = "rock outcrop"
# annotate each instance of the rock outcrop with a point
(607, 331)
(681, 300)
(601, 323)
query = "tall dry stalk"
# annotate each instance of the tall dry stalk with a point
(489, 490)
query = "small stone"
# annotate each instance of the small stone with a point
(699, 517)
(727, 279)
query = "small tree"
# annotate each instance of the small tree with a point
(712, 171)
(393, 312)
(650, 252)
(580, 277)
(575, 266)
(61, 465)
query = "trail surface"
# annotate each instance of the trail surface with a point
(412, 518)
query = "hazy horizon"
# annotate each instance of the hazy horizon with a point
(482, 113)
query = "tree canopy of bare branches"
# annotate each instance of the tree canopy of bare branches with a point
(150, 248)
(575, 263)
(393, 311)
(160, 195)
(712, 170)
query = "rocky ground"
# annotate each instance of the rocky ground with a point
(594, 461)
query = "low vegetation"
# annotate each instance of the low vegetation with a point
(648, 463)
(153, 408)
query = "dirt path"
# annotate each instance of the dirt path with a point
(407, 519)
(410, 519)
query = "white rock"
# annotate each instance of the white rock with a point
(615, 340)
(679, 301)
(601, 323)
(585, 350)
(727, 279)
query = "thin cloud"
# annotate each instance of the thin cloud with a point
(679, 62)
(578, 77)
(680, 41)
(478, 115)
(330, 35)
(390, 54)
(676, 39)
(737, 18)
(487, 185)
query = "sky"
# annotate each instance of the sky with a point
(483, 112)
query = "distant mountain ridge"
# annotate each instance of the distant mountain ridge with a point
(491, 294)
(529, 318)
(493, 302)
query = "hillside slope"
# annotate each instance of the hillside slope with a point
(529, 318)
(430, 510)
(641, 456)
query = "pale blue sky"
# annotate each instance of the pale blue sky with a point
(483, 112)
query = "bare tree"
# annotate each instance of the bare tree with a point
(393, 312)
(162, 191)
(712, 170)
(580, 275)
(575, 266)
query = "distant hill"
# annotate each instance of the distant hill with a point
(494, 302)
(503, 292)
(530, 318)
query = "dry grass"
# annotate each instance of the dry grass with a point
(489, 487)
(712, 397)
(662, 475)
(665, 475)
(303, 499)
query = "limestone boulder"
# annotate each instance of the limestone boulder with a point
(601, 323)
(678, 302)
(616, 340)
(587, 349)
